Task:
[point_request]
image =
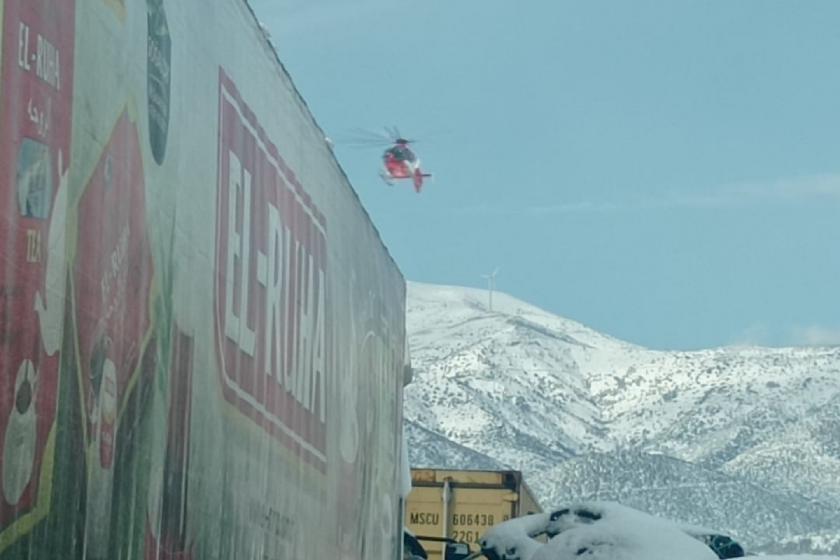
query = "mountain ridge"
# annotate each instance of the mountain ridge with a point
(534, 391)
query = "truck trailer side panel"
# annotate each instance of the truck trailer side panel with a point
(201, 333)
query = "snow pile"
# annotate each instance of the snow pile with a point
(594, 531)
(608, 531)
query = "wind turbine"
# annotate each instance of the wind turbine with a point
(491, 285)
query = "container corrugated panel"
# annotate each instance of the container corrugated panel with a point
(477, 500)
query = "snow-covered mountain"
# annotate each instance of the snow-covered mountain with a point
(757, 428)
(816, 543)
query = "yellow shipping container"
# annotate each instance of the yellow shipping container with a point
(462, 505)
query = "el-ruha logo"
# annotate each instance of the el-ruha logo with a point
(271, 298)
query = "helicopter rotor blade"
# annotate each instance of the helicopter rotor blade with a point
(363, 138)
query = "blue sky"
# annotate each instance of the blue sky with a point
(666, 172)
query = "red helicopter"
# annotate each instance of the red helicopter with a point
(399, 162)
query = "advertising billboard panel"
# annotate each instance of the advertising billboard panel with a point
(202, 336)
